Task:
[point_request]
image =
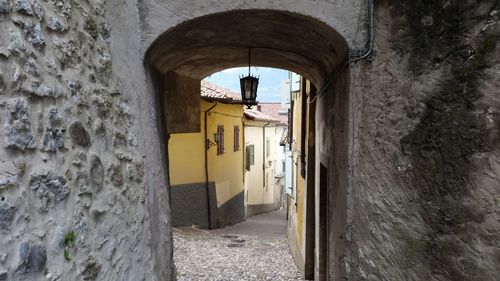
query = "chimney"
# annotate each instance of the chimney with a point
(259, 108)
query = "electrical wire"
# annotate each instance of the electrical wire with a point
(354, 55)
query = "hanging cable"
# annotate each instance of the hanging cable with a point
(360, 54)
(354, 55)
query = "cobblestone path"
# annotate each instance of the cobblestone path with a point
(254, 250)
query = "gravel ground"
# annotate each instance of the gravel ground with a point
(210, 256)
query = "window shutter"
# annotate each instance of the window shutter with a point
(268, 147)
(250, 157)
(252, 154)
(220, 143)
(236, 138)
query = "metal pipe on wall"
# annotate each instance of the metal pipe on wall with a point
(209, 212)
(264, 154)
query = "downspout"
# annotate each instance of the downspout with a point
(243, 151)
(264, 154)
(209, 212)
(290, 114)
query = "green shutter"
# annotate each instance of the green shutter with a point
(250, 156)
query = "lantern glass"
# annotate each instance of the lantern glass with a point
(249, 86)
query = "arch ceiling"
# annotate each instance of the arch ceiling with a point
(211, 43)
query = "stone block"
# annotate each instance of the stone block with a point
(75, 87)
(50, 188)
(4, 8)
(115, 174)
(23, 7)
(17, 77)
(57, 242)
(67, 53)
(119, 139)
(38, 10)
(91, 268)
(37, 88)
(18, 133)
(33, 257)
(7, 181)
(96, 173)
(135, 171)
(32, 31)
(53, 140)
(32, 67)
(54, 137)
(79, 134)
(55, 117)
(55, 24)
(7, 214)
(16, 44)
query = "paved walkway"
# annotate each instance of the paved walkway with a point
(270, 225)
(253, 250)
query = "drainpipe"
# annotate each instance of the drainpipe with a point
(264, 154)
(244, 152)
(206, 166)
(290, 114)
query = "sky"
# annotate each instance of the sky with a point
(269, 81)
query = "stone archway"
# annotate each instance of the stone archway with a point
(207, 44)
(180, 57)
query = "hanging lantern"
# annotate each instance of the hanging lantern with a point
(249, 86)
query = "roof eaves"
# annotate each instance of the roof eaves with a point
(222, 100)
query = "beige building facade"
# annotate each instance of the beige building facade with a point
(260, 150)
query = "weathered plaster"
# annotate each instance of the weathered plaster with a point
(424, 145)
(342, 16)
(81, 65)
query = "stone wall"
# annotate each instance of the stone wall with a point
(82, 159)
(156, 16)
(425, 126)
(72, 176)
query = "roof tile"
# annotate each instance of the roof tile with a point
(212, 92)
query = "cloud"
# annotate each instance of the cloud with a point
(234, 70)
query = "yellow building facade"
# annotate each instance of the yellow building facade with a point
(206, 168)
(301, 205)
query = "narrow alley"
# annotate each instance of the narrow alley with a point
(252, 250)
(262, 140)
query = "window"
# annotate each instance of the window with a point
(236, 138)
(268, 147)
(220, 141)
(250, 156)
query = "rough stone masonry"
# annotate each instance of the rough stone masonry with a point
(69, 164)
(83, 188)
(82, 166)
